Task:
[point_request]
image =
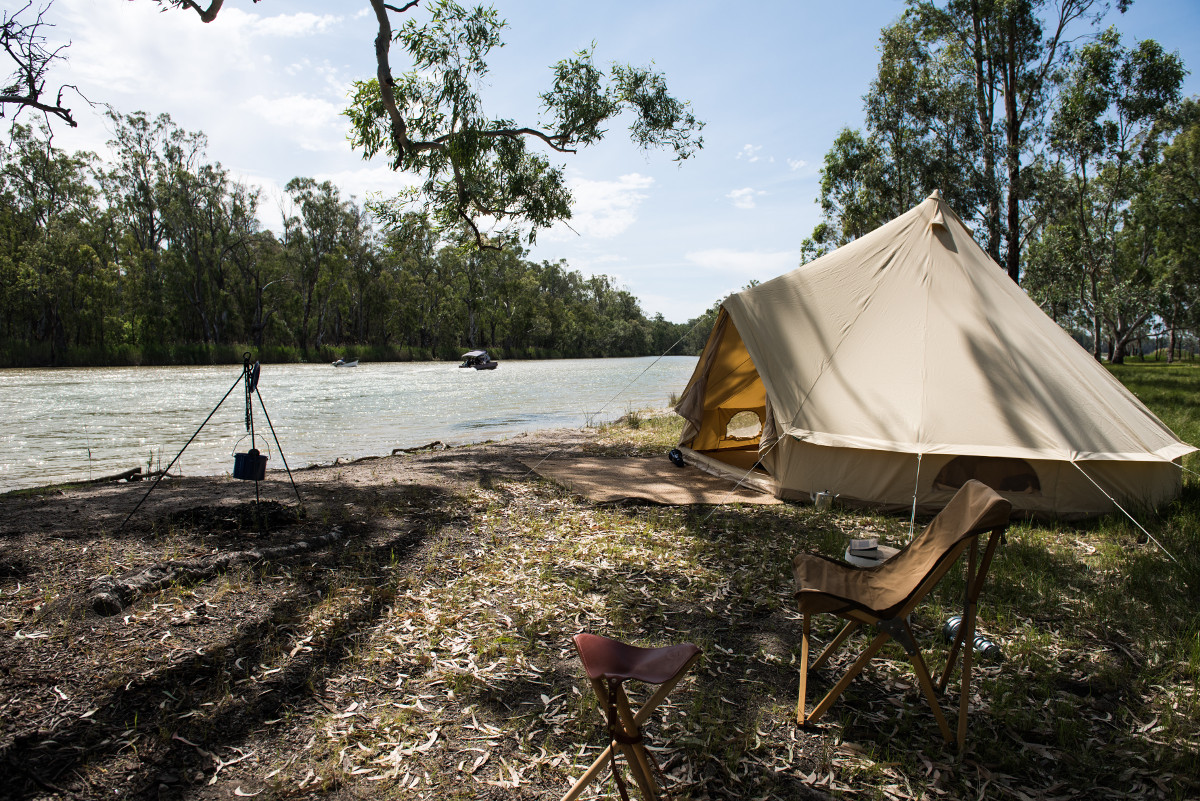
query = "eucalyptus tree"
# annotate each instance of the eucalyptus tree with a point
(853, 192)
(560, 327)
(57, 286)
(1175, 190)
(410, 251)
(1051, 277)
(206, 222)
(370, 287)
(1106, 129)
(313, 237)
(514, 289)
(916, 115)
(146, 157)
(475, 170)
(1006, 53)
(919, 136)
(959, 103)
(264, 285)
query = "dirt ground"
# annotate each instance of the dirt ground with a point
(121, 691)
(404, 632)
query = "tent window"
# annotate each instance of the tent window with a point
(744, 425)
(1001, 474)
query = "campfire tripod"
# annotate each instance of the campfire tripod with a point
(247, 466)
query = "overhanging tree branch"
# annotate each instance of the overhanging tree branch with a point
(476, 172)
(25, 45)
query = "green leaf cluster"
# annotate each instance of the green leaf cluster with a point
(481, 172)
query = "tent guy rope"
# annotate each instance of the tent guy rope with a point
(626, 387)
(912, 521)
(1126, 513)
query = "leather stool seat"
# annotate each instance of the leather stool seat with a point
(608, 664)
(604, 658)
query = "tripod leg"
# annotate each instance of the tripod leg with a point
(181, 450)
(278, 446)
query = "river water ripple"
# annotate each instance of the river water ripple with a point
(71, 424)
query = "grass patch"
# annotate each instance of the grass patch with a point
(1097, 694)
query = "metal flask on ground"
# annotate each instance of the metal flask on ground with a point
(982, 645)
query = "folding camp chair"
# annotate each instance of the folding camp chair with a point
(608, 663)
(885, 595)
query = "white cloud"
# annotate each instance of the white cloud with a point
(673, 307)
(796, 164)
(744, 198)
(312, 123)
(286, 25)
(368, 181)
(238, 79)
(749, 153)
(602, 209)
(754, 264)
(364, 184)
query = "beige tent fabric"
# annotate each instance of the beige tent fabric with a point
(909, 343)
(654, 479)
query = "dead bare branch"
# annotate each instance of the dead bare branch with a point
(31, 60)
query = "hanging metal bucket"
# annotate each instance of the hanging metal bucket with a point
(251, 466)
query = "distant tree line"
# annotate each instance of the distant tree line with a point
(157, 255)
(1069, 152)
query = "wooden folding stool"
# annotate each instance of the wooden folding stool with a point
(608, 663)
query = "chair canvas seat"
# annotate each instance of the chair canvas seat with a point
(886, 594)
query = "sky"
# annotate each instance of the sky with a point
(773, 81)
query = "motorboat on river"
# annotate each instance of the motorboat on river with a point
(479, 359)
(344, 363)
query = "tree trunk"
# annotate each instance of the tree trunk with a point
(1012, 236)
(984, 111)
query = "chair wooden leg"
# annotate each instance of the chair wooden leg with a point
(804, 638)
(836, 643)
(639, 763)
(844, 682)
(589, 775)
(608, 663)
(644, 783)
(964, 696)
(944, 679)
(927, 688)
(968, 626)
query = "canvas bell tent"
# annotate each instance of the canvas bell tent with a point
(901, 365)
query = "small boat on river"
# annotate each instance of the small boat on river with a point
(480, 360)
(344, 363)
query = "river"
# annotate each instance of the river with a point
(70, 424)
